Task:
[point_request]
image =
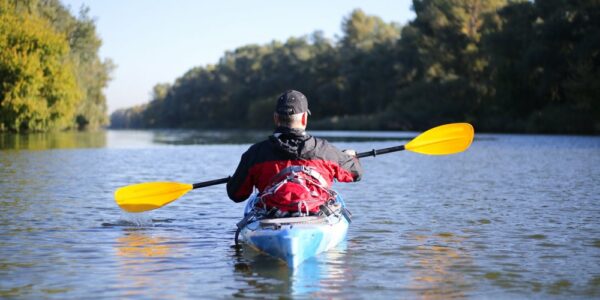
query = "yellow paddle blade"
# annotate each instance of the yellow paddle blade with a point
(150, 195)
(444, 139)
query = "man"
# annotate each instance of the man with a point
(289, 146)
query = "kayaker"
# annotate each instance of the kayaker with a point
(290, 149)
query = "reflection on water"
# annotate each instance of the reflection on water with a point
(440, 266)
(138, 245)
(53, 140)
(516, 216)
(201, 137)
(152, 138)
(140, 138)
(321, 276)
(140, 256)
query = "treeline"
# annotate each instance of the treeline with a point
(51, 77)
(505, 66)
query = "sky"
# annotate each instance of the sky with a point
(157, 41)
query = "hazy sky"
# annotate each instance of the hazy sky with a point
(155, 41)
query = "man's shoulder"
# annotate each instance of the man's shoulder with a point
(259, 145)
(321, 142)
(323, 148)
(256, 152)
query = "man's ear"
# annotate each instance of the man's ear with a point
(275, 119)
(304, 118)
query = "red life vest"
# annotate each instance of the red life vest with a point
(297, 189)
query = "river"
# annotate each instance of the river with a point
(515, 216)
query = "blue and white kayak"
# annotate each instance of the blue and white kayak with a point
(296, 239)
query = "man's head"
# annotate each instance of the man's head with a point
(291, 110)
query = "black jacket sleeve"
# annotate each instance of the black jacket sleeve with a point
(351, 164)
(240, 186)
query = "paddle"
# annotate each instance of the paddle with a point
(441, 140)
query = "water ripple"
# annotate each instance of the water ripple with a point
(513, 217)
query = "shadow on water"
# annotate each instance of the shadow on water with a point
(268, 277)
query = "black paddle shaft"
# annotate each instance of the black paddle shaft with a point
(373, 153)
(210, 182)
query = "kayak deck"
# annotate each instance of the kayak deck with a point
(295, 239)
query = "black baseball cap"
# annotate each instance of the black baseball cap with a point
(291, 102)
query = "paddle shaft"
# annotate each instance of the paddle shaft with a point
(373, 153)
(210, 182)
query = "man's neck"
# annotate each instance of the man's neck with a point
(298, 131)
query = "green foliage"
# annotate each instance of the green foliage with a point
(363, 32)
(129, 118)
(38, 88)
(518, 66)
(441, 63)
(546, 62)
(50, 73)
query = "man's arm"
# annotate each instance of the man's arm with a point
(240, 186)
(348, 167)
(349, 162)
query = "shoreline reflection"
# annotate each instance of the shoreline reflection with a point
(53, 140)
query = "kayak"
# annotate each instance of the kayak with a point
(296, 239)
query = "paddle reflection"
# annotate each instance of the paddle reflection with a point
(139, 245)
(140, 256)
(265, 275)
(440, 267)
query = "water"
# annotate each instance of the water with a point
(516, 216)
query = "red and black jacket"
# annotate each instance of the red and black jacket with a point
(287, 147)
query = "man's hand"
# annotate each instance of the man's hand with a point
(350, 152)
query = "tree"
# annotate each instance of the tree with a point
(93, 74)
(503, 65)
(39, 89)
(39, 37)
(546, 61)
(366, 71)
(441, 51)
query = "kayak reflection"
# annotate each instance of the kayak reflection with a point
(265, 275)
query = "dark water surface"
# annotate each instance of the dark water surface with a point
(516, 216)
